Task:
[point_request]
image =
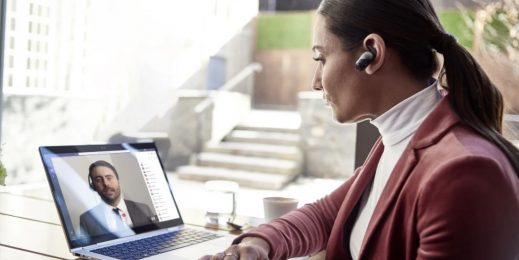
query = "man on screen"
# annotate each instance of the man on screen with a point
(115, 215)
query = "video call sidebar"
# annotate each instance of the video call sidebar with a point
(157, 185)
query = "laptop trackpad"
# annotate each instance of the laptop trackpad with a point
(196, 251)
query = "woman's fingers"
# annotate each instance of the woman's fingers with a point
(238, 252)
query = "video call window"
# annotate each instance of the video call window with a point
(109, 195)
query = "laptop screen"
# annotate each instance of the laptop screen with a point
(104, 192)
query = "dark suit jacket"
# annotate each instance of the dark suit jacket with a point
(92, 222)
(452, 195)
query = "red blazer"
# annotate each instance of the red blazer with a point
(452, 195)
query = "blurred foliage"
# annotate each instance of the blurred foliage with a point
(294, 30)
(498, 28)
(459, 24)
(498, 22)
(285, 31)
(496, 47)
(3, 174)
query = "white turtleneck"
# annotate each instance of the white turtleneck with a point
(396, 127)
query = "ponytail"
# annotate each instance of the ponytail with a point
(474, 98)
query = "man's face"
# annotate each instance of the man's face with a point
(106, 184)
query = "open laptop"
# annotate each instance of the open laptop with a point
(83, 185)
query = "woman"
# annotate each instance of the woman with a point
(441, 183)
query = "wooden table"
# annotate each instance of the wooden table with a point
(30, 227)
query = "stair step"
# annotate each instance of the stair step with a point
(256, 150)
(248, 163)
(243, 178)
(275, 119)
(276, 129)
(263, 137)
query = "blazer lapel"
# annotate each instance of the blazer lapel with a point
(388, 197)
(441, 119)
(365, 177)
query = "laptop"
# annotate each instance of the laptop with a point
(115, 202)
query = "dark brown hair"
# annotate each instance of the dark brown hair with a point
(101, 163)
(413, 30)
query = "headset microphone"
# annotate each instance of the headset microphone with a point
(366, 58)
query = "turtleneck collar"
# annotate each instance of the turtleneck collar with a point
(402, 120)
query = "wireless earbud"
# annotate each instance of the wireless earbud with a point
(366, 58)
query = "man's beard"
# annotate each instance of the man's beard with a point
(107, 199)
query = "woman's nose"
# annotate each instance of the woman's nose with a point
(316, 82)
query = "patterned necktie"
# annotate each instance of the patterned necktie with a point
(120, 219)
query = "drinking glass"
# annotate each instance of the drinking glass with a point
(220, 206)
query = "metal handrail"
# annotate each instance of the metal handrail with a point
(228, 86)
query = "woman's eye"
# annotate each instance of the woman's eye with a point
(318, 59)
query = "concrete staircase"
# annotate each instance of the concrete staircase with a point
(261, 152)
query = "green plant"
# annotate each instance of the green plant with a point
(497, 29)
(459, 23)
(285, 31)
(496, 47)
(3, 174)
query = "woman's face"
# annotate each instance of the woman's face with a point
(342, 85)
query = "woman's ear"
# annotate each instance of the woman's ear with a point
(375, 42)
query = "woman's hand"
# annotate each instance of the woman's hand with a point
(250, 248)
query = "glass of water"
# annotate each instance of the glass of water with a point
(220, 204)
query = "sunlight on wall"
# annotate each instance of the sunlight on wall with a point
(77, 71)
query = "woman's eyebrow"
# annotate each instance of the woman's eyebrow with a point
(317, 48)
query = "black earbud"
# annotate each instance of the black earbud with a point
(366, 58)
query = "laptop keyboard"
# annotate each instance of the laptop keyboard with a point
(150, 246)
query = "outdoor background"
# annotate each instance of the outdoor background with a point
(84, 71)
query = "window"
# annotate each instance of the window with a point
(13, 24)
(10, 81)
(95, 58)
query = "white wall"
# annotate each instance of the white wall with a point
(134, 54)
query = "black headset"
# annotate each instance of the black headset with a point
(366, 58)
(90, 183)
